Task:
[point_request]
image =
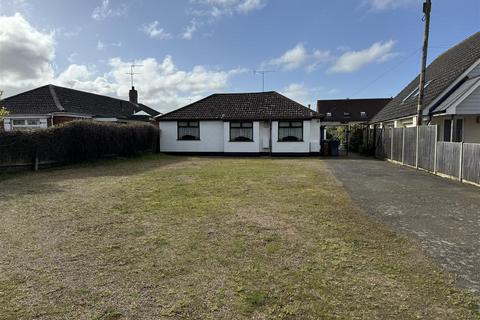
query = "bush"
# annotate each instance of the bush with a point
(78, 141)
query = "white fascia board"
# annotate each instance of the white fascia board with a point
(426, 111)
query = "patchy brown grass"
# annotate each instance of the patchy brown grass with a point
(171, 237)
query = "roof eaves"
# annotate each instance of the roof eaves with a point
(448, 90)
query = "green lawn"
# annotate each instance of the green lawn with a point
(176, 237)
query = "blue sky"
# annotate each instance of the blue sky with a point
(320, 49)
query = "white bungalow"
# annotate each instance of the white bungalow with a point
(241, 124)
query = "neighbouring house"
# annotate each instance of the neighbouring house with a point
(347, 112)
(50, 105)
(452, 96)
(241, 123)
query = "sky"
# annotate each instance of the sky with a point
(188, 49)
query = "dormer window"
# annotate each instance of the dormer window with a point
(363, 115)
(346, 114)
(329, 114)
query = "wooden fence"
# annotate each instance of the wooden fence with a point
(418, 147)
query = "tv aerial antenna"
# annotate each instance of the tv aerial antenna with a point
(263, 73)
(132, 73)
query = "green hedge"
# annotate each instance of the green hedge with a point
(77, 141)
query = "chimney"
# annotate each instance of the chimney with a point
(133, 94)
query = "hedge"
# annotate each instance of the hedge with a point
(77, 141)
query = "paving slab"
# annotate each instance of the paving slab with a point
(442, 215)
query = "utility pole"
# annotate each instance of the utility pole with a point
(427, 9)
(263, 72)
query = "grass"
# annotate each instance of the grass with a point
(174, 238)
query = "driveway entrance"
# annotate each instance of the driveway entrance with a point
(442, 215)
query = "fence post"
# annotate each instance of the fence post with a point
(416, 147)
(461, 162)
(403, 146)
(435, 152)
(391, 144)
(35, 160)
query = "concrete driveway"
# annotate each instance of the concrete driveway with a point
(441, 214)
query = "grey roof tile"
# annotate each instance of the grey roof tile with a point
(442, 72)
(242, 106)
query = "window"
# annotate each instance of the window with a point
(458, 136)
(290, 131)
(363, 115)
(188, 130)
(447, 130)
(241, 131)
(346, 114)
(19, 124)
(329, 114)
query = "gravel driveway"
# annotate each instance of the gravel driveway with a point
(442, 215)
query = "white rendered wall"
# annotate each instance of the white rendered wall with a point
(315, 135)
(291, 147)
(241, 147)
(211, 138)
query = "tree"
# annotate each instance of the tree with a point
(3, 111)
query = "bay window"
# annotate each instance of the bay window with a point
(188, 130)
(241, 131)
(290, 131)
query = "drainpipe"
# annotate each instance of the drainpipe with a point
(271, 141)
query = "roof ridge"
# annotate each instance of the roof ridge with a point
(92, 93)
(55, 98)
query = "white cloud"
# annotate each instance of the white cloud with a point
(190, 30)
(381, 5)
(160, 84)
(27, 59)
(105, 10)
(218, 8)
(100, 46)
(299, 57)
(26, 54)
(209, 11)
(308, 95)
(352, 61)
(153, 31)
(297, 92)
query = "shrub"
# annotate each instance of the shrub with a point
(78, 141)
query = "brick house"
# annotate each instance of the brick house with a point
(51, 105)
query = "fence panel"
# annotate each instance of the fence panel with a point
(410, 146)
(427, 138)
(471, 162)
(387, 142)
(380, 151)
(397, 144)
(448, 158)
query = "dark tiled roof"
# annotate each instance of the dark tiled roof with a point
(354, 107)
(50, 98)
(242, 106)
(442, 72)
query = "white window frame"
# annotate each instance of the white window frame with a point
(416, 92)
(25, 125)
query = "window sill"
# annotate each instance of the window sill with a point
(247, 141)
(290, 141)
